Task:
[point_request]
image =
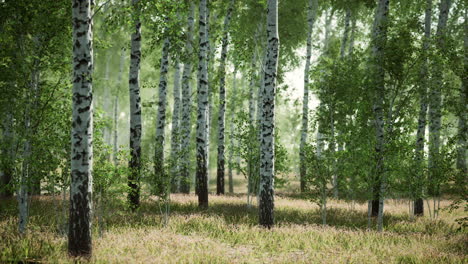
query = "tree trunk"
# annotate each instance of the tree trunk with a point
(345, 33)
(161, 119)
(462, 118)
(7, 160)
(311, 16)
(352, 35)
(175, 136)
(267, 158)
(420, 135)
(186, 107)
(115, 132)
(435, 103)
(222, 102)
(379, 38)
(79, 234)
(209, 66)
(135, 114)
(202, 97)
(231, 129)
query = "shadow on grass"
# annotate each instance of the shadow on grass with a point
(44, 213)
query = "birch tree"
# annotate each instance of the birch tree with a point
(135, 111)
(462, 117)
(161, 117)
(202, 103)
(267, 160)
(422, 119)
(79, 234)
(311, 16)
(232, 104)
(175, 135)
(435, 102)
(222, 102)
(377, 71)
(186, 105)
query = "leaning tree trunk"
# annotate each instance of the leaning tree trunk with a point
(175, 135)
(462, 118)
(435, 102)
(186, 107)
(421, 132)
(135, 114)
(233, 103)
(379, 38)
(202, 98)
(311, 16)
(79, 234)
(267, 144)
(222, 102)
(161, 119)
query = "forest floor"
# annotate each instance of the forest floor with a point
(227, 232)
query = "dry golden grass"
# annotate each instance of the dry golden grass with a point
(227, 232)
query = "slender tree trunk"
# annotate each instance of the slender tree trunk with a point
(462, 118)
(186, 107)
(311, 16)
(7, 160)
(352, 35)
(135, 113)
(345, 33)
(231, 130)
(161, 118)
(222, 102)
(267, 155)
(202, 97)
(175, 136)
(115, 132)
(435, 102)
(420, 135)
(209, 67)
(379, 38)
(79, 234)
(25, 186)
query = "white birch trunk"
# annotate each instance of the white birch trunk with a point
(311, 17)
(462, 118)
(222, 102)
(435, 102)
(209, 67)
(135, 111)
(345, 33)
(353, 34)
(422, 119)
(267, 157)
(202, 116)
(79, 234)
(233, 103)
(379, 38)
(186, 106)
(175, 135)
(161, 117)
(115, 130)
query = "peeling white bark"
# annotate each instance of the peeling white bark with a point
(202, 102)
(79, 235)
(267, 158)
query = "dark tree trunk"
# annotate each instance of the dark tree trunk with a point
(419, 207)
